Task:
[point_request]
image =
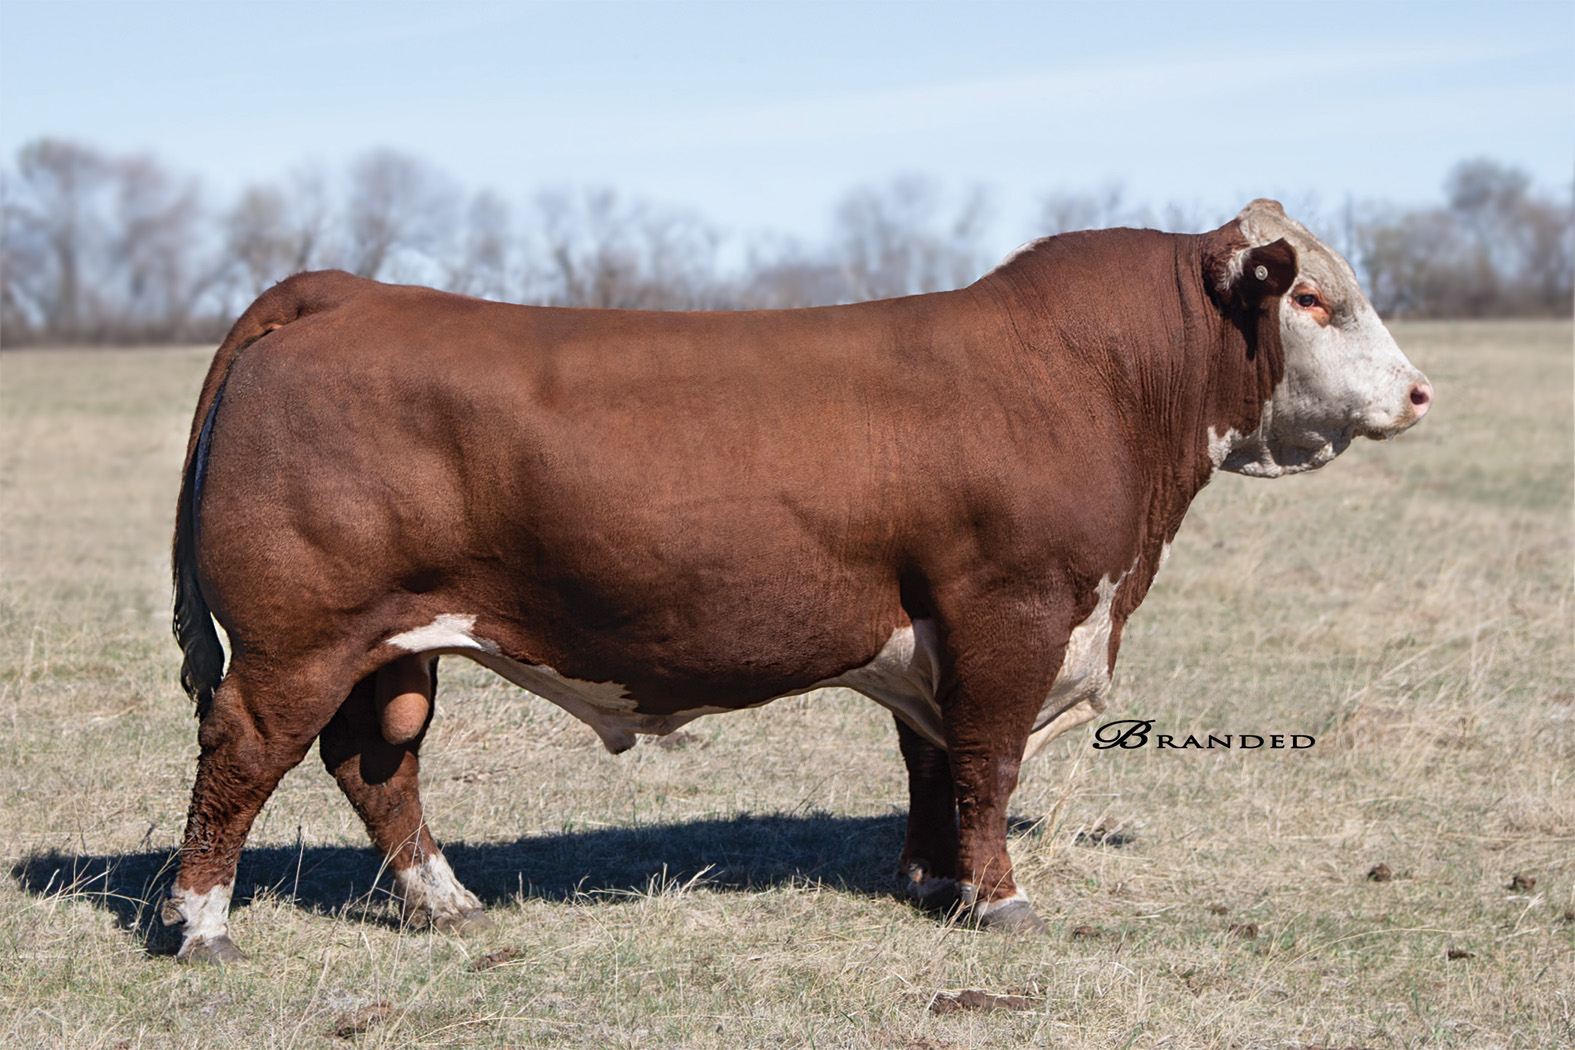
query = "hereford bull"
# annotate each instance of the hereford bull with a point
(951, 503)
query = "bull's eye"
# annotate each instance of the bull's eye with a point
(1307, 301)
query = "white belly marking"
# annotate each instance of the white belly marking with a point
(447, 631)
(604, 706)
(902, 677)
(1078, 693)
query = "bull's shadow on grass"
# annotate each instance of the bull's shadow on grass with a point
(743, 853)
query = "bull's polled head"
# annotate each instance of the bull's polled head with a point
(1344, 376)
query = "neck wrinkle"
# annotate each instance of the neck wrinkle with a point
(1197, 384)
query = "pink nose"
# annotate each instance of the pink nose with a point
(1421, 398)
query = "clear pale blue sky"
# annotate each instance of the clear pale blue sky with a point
(760, 115)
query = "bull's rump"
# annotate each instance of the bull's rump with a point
(704, 508)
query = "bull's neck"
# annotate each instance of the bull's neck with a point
(1128, 314)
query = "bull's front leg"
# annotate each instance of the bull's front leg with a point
(989, 706)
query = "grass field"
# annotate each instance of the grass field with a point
(1410, 607)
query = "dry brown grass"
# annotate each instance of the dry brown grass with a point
(1410, 607)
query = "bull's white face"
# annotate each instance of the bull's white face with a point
(1344, 375)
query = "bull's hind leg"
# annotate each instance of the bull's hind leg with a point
(380, 779)
(251, 735)
(929, 852)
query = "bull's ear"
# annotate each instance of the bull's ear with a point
(1267, 272)
(1239, 277)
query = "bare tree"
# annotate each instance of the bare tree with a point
(1520, 240)
(904, 238)
(1485, 194)
(481, 265)
(257, 236)
(54, 231)
(157, 273)
(1410, 262)
(273, 231)
(23, 294)
(595, 249)
(398, 205)
(95, 246)
(16, 324)
(1550, 256)
(100, 248)
(1496, 249)
(1064, 211)
(786, 275)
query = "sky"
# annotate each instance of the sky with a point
(760, 116)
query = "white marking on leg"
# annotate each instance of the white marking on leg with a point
(431, 887)
(205, 916)
(447, 631)
(982, 908)
(1220, 445)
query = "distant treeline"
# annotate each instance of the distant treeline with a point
(117, 249)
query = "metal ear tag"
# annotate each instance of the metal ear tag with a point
(1261, 273)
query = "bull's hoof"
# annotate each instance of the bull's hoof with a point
(1012, 917)
(467, 920)
(933, 894)
(471, 921)
(218, 949)
(929, 891)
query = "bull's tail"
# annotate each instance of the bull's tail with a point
(203, 658)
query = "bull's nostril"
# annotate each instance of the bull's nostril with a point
(1421, 397)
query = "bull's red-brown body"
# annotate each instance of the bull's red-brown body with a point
(664, 514)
